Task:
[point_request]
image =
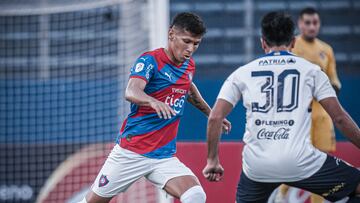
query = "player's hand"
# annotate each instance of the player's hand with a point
(213, 171)
(163, 110)
(226, 126)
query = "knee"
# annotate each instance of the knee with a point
(195, 194)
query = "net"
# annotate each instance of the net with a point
(63, 69)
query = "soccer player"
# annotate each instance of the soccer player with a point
(308, 46)
(277, 90)
(160, 83)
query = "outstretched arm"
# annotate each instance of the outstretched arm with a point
(342, 120)
(135, 93)
(198, 101)
(213, 170)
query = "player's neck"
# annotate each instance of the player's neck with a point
(278, 48)
(308, 39)
(171, 56)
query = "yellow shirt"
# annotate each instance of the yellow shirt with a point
(319, 53)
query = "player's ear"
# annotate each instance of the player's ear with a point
(171, 33)
(263, 44)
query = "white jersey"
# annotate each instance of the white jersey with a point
(277, 91)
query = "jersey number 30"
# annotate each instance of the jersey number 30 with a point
(268, 90)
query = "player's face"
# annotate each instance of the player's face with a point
(309, 26)
(182, 44)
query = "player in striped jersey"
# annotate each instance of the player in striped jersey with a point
(159, 85)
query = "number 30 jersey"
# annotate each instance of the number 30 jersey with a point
(277, 90)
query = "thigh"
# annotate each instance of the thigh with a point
(172, 176)
(334, 181)
(252, 191)
(120, 170)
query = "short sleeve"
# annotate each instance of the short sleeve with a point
(230, 90)
(143, 68)
(322, 86)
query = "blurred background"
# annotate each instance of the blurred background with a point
(64, 66)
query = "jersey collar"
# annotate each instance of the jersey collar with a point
(280, 53)
(167, 60)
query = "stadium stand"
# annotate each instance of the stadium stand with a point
(234, 31)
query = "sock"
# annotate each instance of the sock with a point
(193, 195)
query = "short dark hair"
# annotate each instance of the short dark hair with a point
(277, 28)
(309, 11)
(189, 22)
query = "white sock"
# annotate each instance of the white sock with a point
(195, 194)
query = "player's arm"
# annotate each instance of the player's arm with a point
(195, 98)
(342, 119)
(331, 72)
(135, 93)
(213, 170)
(229, 95)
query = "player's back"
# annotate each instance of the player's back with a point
(277, 91)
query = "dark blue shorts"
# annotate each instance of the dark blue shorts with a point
(334, 181)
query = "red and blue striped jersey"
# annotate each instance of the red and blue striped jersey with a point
(143, 131)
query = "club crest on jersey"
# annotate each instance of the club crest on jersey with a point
(322, 55)
(139, 67)
(190, 76)
(103, 181)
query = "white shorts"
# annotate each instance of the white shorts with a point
(123, 167)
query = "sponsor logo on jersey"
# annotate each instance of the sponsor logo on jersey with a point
(103, 181)
(177, 90)
(169, 75)
(259, 122)
(279, 134)
(175, 103)
(266, 62)
(291, 61)
(139, 67)
(148, 69)
(334, 189)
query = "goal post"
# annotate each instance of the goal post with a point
(64, 66)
